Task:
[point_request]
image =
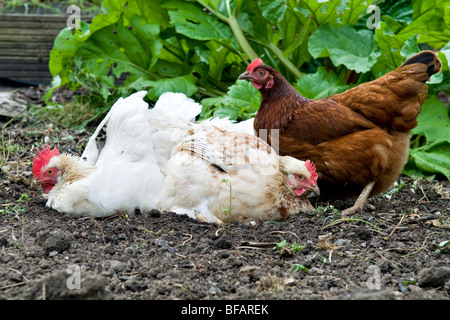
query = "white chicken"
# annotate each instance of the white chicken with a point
(126, 172)
(220, 175)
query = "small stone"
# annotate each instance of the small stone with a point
(117, 266)
(56, 240)
(10, 106)
(433, 277)
(246, 270)
(213, 290)
(342, 242)
(223, 243)
(34, 252)
(155, 213)
(52, 253)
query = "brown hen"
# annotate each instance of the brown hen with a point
(358, 139)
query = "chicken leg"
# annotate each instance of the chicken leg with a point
(361, 201)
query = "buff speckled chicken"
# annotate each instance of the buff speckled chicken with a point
(218, 176)
(358, 139)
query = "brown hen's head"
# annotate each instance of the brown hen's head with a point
(46, 176)
(260, 75)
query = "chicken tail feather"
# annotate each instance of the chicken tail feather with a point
(427, 57)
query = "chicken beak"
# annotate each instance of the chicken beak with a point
(313, 191)
(245, 76)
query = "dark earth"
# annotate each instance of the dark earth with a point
(398, 251)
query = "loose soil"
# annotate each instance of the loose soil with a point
(395, 251)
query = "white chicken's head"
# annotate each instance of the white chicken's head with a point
(44, 173)
(301, 176)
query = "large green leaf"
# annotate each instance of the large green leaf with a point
(191, 21)
(122, 49)
(184, 84)
(433, 121)
(294, 30)
(344, 45)
(390, 47)
(273, 11)
(216, 57)
(434, 158)
(434, 125)
(151, 11)
(90, 55)
(320, 12)
(321, 84)
(65, 47)
(431, 22)
(241, 102)
(353, 10)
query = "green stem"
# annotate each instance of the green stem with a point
(235, 28)
(287, 63)
(240, 37)
(210, 92)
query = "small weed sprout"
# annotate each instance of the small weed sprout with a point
(17, 208)
(294, 248)
(329, 208)
(280, 245)
(444, 247)
(397, 188)
(225, 210)
(298, 267)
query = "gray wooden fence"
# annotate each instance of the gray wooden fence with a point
(25, 44)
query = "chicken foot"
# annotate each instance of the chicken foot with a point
(361, 201)
(201, 218)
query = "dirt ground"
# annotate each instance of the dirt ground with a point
(399, 251)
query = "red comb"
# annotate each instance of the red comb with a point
(254, 64)
(42, 160)
(312, 169)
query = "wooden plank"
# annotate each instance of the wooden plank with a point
(34, 73)
(38, 17)
(36, 52)
(26, 38)
(31, 17)
(5, 45)
(32, 32)
(23, 60)
(33, 24)
(37, 65)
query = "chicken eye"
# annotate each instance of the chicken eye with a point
(50, 171)
(261, 72)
